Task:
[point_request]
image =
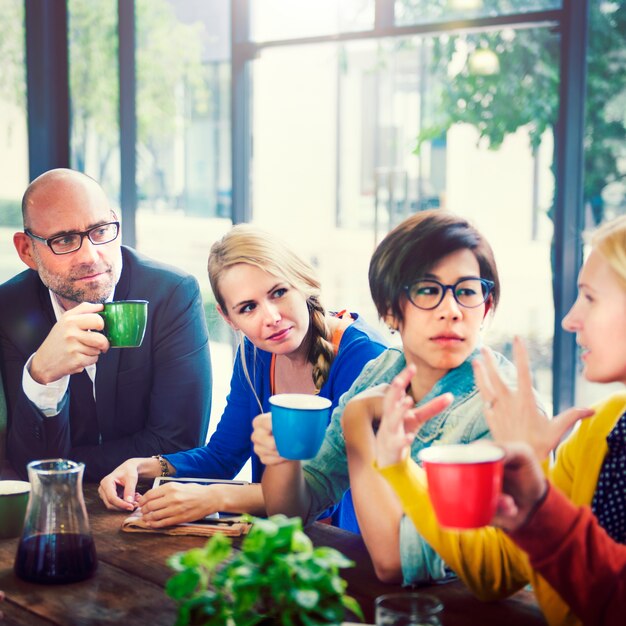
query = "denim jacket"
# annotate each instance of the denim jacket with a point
(462, 422)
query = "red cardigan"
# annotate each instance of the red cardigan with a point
(568, 547)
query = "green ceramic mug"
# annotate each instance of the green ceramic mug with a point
(125, 322)
(13, 500)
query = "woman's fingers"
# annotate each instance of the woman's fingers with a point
(404, 377)
(397, 389)
(263, 439)
(490, 376)
(146, 501)
(107, 490)
(392, 420)
(392, 439)
(562, 422)
(522, 364)
(482, 381)
(498, 386)
(425, 412)
(401, 420)
(396, 401)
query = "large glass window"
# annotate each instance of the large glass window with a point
(297, 137)
(291, 19)
(353, 137)
(183, 133)
(183, 87)
(13, 132)
(183, 148)
(408, 12)
(94, 92)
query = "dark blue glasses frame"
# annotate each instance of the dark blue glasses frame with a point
(486, 287)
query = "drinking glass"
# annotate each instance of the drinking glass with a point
(408, 609)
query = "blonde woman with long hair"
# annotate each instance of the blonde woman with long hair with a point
(289, 344)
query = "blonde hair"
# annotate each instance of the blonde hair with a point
(609, 240)
(248, 244)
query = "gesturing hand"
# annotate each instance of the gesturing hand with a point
(70, 346)
(401, 419)
(513, 415)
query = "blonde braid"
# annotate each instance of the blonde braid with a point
(321, 351)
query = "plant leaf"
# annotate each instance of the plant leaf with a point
(277, 575)
(327, 557)
(306, 598)
(301, 543)
(182, 584)
(217, 549)
(353, 606)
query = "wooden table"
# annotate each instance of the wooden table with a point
(128, 586)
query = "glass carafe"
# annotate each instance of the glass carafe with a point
(56, 544)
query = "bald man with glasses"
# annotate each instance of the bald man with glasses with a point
(68, 395)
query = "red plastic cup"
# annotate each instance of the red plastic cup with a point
(464, 482)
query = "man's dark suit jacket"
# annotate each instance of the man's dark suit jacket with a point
(149, 400)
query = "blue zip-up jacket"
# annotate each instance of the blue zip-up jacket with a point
(230, 446)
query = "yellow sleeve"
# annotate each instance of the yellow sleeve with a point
(580, 457)
(561, 474)
(485, 559)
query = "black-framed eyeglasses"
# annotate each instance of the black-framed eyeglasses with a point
(428, 293)
(70, 242)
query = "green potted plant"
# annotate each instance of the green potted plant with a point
(277, 577)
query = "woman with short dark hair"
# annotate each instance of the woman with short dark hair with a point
(434, 280)
(590, 466)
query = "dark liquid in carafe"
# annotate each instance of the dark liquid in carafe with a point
(56, 558)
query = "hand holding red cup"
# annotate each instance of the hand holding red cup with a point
(464, 482)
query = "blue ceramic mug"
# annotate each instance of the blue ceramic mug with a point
(299, 424)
